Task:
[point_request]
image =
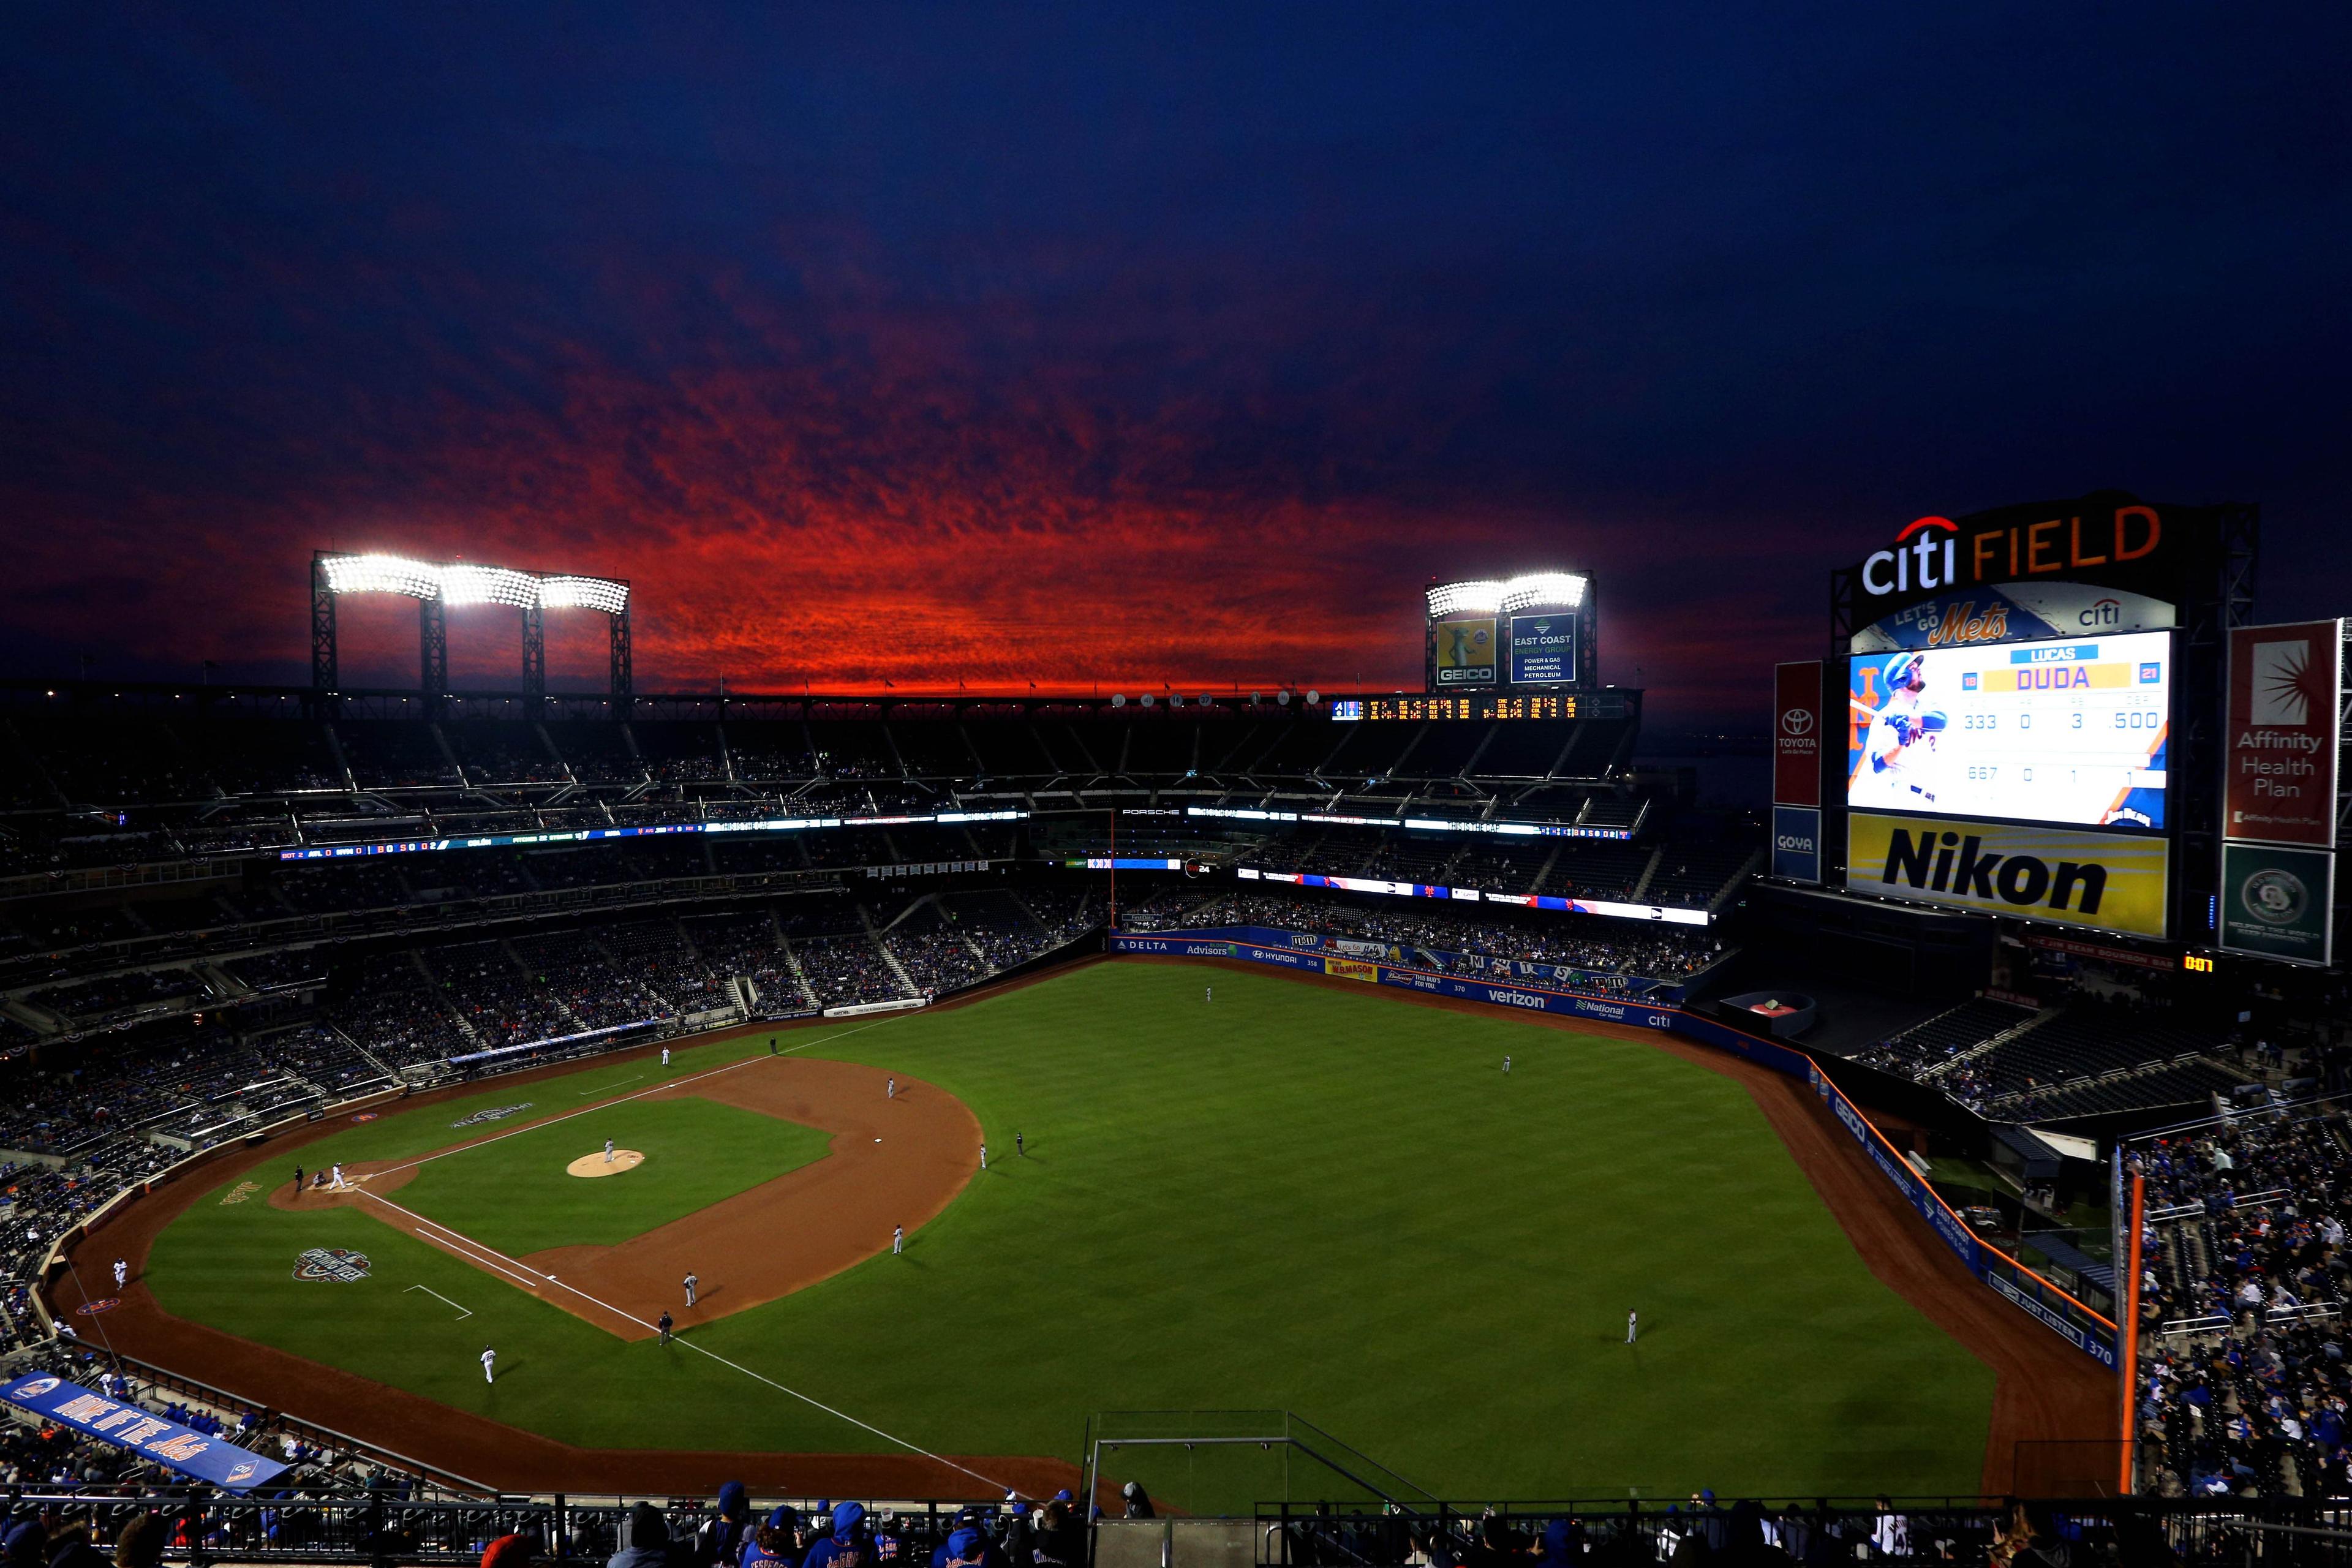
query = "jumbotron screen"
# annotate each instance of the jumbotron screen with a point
(2072, 731)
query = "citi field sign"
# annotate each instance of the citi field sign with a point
(2109, 538)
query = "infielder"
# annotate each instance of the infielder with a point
(693, 1283)
(898, 1239)
(488, 1356)
(121, 1273)
(889, 1088)
(608, 1151)
(1631, 1324)
(983, 1156)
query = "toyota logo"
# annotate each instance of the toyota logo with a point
(1796, 722)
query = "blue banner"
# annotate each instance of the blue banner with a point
(1797, 843)
(184, 1449)
(1212, 942)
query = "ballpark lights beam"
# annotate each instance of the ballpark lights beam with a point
(1500, 597)
(435, 585)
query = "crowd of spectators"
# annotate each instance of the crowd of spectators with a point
(2243, 1384)
(1440, 941)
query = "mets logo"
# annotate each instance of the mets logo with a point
(495, 1113)
(367, 1116)
(91, 1309)
(33, 1389)
(241, 1472)
(338, 1264)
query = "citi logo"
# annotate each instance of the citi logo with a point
(2105, 612)
(1925, 562)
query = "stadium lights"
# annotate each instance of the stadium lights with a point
(1491, 597)
(466, 582)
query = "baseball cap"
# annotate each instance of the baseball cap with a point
(964, 1545)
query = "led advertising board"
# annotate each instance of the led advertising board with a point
(2072, 731)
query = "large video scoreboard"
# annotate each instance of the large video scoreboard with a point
(2072, 732)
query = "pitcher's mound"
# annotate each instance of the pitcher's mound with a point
(597, 1166)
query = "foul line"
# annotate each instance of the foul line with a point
(610, 1086)
(689, 1345)
(608, 1104)
(462, 1311)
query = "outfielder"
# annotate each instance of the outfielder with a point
(488, 1356)
(1020, 1145)
(898, 1239)
(983, 1156)
(1506, 1067)
(1632, 1322)
(664, 1056)
(693, 1283)
(1208, 992)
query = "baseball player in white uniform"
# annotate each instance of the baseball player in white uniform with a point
(983, 1156)
(664, 1056)
(1899, 752)
(693, 1283)
(339, 1173)
(488, 1356)
(889, 1088)
(898, 1239)
(121, 1273)
(608, 1151)
(1633, 1322)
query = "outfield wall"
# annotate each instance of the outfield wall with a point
(2040, 1299)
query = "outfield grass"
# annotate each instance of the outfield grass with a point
(1295, 1197)
(515, 1195)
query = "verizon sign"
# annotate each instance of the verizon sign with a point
(1797, 726)
(2285, 687)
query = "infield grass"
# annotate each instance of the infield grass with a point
(1295, 1197)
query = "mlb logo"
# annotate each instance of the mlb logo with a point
(2149, 674)
(1967, 681)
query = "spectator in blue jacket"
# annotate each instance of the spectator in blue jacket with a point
(845, 1547)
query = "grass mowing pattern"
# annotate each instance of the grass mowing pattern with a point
(516, 1196)
(1292, 1197)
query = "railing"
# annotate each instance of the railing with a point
(2196, 1532)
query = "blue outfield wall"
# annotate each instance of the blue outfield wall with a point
(2044, 1302)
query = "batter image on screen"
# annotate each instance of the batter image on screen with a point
(2068, 731)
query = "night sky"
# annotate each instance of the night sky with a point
(1137, 344)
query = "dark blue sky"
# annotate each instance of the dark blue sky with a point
(1119, 344)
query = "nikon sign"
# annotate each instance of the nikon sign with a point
(2104, 881)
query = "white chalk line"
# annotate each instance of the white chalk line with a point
(633, 1318)
(601, 1088)
(463, 1313)
(608, 1104)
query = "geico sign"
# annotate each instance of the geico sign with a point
(2110, 881)
(1927, 553)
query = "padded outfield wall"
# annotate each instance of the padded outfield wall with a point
(1525, 991)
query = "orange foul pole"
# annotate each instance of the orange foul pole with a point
(2130, 1345)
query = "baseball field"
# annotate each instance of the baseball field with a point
(1301, 1196)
